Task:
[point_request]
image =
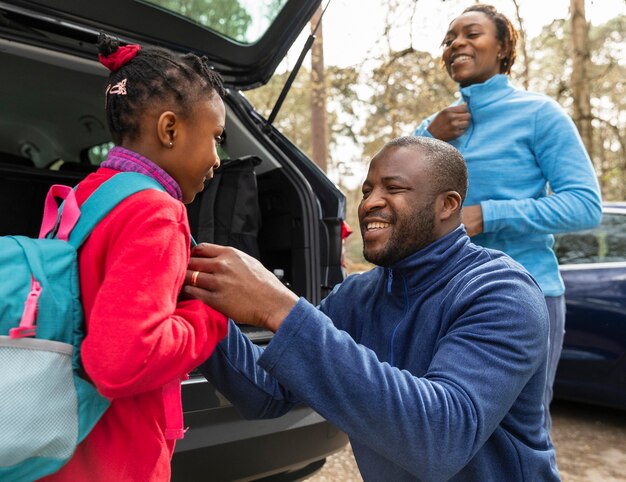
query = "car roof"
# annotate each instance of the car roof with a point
(615, 206)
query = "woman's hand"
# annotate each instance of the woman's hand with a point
(472, 217)
(450, 123)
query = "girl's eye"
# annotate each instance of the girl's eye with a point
(219, 140)
(446, 43)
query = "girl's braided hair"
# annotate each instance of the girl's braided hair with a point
(505, 32)
(142, 77)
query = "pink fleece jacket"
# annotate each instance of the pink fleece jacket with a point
(140, 335)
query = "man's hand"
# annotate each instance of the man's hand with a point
(239, 286)
(472, 217)
(450, 123)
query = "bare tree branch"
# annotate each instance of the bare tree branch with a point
(522, 45)
(411, 23)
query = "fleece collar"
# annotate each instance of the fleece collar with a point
(427, 264)
(494, 89)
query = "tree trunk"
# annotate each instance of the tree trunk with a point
(580, 75)
(319, 140)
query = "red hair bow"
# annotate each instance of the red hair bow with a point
(120, 57)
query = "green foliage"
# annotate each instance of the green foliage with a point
(224, 16)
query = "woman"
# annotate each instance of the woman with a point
(517, 145)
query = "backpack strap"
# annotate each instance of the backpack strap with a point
(105, 198)
(63, 225)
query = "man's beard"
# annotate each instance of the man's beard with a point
(407, 238)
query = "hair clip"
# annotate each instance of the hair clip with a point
(119, 88)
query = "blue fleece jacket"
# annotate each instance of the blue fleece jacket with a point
(434, 368)
(517, 143)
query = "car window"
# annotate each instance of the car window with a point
(97, 154)
(604, 244)
(243, 20)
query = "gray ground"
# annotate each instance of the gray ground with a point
(590, 443)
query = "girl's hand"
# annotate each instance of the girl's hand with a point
(450, 123)
(472, 217)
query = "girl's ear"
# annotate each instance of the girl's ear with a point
(449, 204)
(167, 125)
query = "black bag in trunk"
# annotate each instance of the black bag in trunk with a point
(227, 212)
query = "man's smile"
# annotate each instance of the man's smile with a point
(377, 225)
(373, 230)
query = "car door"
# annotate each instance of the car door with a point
(593, 265)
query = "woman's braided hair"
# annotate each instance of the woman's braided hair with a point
(506, 34)
(153, 76)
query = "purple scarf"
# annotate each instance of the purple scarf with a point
(124, 160)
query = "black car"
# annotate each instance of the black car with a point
(267, 198)
(592, 367)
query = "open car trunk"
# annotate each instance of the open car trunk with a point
(267, 199)
(51, 91)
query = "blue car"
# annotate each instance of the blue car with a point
(592, 368)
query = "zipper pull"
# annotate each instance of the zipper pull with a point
(389, 281)
(29, 316)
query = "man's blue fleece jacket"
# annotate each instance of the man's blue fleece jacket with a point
(434, 367)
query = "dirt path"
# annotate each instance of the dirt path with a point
(590, 443)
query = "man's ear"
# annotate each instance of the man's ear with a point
(449, 204)
(167, 125)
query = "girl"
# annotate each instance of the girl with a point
(515, 143)
(166, 117)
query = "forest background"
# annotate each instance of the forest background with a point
(383, 76)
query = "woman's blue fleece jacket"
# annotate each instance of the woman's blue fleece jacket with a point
(517, 143)
(434, 367)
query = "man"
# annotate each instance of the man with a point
(433, 363)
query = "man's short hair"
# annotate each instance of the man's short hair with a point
(447, 166)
